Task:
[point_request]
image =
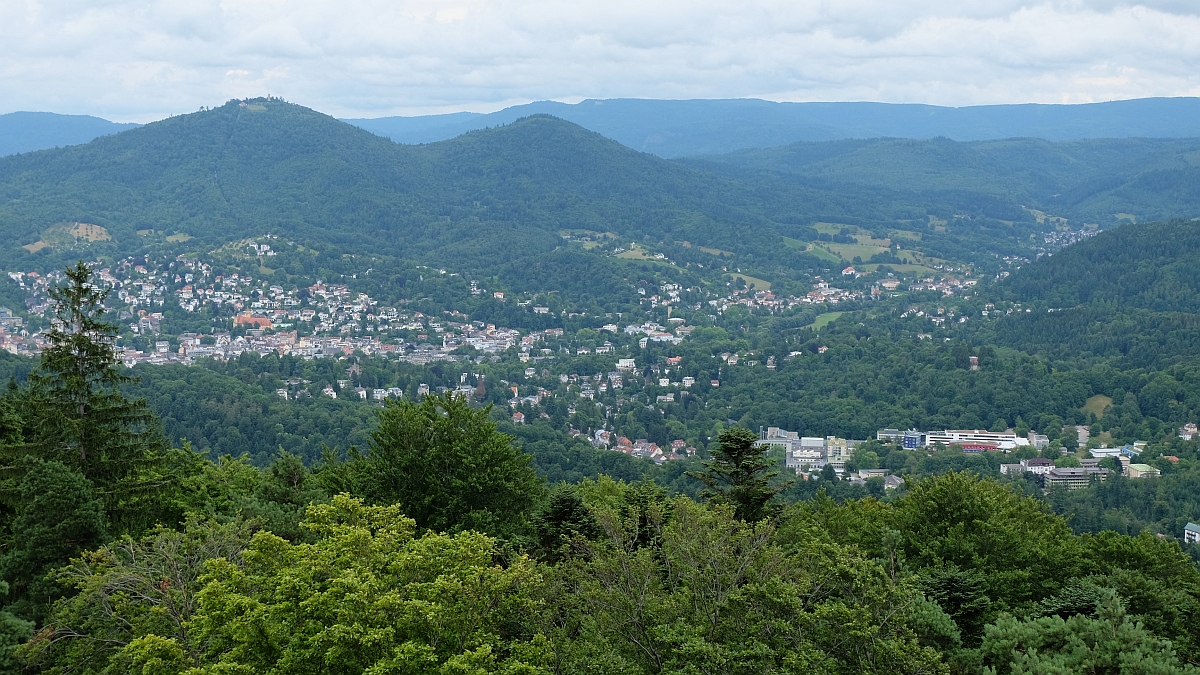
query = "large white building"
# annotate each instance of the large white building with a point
(976, 440)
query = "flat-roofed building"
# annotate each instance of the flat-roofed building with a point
(1142, 471)
(1073, 478)
(999, 439)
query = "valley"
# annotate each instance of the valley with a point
(523, 335)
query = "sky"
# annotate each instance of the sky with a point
(140, 60)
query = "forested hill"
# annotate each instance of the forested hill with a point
(1099, 181)
(1148, 266)
(502, 196)
(266, 166)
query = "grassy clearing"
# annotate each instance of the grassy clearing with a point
(635, 253)
(819, 252)
(588, 233)
(179, 237)
(1097, 404)
(848, 252)
(707, 249)
(824, 320)
(832, 228)
(904, 234)
(759, 284)
(868, 240)
(640, 254)
(66, 234)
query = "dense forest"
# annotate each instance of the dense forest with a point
(438, 548)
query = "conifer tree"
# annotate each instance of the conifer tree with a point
(740, 474)
(74, 412)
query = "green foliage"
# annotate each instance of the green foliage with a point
(73, 412)
(1147, 266)
(134, 602)
(986, 548)
(740, 474)
(446, 464)
(1112, 642)
(13, 631)
(366, 596)
(708, 588)
(58, 516)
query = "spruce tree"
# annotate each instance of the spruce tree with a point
(740, 474)
(74, 412)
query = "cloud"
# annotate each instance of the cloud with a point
(142, 59)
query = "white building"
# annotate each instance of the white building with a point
(976, 440)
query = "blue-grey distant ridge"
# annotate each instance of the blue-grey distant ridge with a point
(29, 131)
(714, 126)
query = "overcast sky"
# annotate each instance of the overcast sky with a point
(139, 60)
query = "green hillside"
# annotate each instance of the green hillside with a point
(1091, 180)
(501, 197)
(1147, 266)
(275, 167)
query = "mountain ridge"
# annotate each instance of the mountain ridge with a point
(32, 131)
(272, 166)
(678, 128)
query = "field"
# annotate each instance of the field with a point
(759, 284)
(831, 228)
(805, 246)
(67, 234)
(635, 253)
(1097, 404)
(824, 320)
(640, 254)
(707, 249)
(905, 234)
(848, 252)
(179, 237)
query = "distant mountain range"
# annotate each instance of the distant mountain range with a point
(505, 194)
(707, 127)
(29, 131)
(1101, 181)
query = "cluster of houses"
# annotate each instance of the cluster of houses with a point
(643, 448)
(947, 286)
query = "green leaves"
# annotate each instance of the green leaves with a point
(707, 592)
(1010, 545)
(366, 597)
(1110, 643)
(447, 466)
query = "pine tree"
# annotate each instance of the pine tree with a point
(740, 474)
